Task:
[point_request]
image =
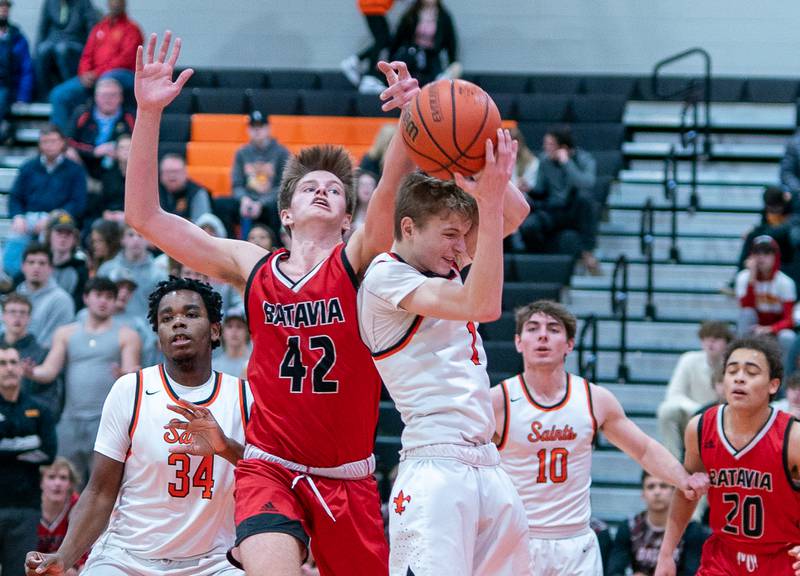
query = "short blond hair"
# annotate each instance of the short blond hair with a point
(61, 463)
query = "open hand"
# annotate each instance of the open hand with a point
(206, 438)
(402, 87)
(153, 83)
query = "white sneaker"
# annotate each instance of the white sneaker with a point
(351, 68)
(371, 85)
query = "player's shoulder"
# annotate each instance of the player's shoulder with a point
(388, 265)
(127, 383)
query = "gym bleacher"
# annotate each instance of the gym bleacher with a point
(630, 132)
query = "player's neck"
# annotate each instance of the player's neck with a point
(741, 424)
(189, 372)
(52, 508)
(308, 249)
(546, 382)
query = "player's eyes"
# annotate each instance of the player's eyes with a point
(334, 191)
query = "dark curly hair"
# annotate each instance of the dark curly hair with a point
(211, 299)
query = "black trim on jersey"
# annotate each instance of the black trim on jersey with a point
(217, 382)
(595, 427)
(700, 434)
(136, 399)
(403, 339)
(795, 485)
(427, 273)
(243, 392)
(249, 283)
(349, 268)
(506, 404)
(294, 283)
(268, 523)
(464, 272)
(769, 421)
(558, 404)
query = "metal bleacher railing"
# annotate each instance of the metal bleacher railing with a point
(619, 307)
(647, 248)
(587, 358)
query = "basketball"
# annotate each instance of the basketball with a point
(446, 127)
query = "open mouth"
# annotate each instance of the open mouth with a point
(321, 202)
(180, 339)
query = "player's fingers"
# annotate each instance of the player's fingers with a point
(151, 48)
(388, 71)
(177, 424)
(139, 58)
(460, 181)
(402, 70)
(489, 152)
(186, 413)
(176, 51)
(162, 54)
(183, 77)
(33, 559)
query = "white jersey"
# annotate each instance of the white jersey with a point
(170, 506)
(435, 370)
(547, 452)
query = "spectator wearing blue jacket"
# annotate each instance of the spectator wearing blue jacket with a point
(47, 182)
(16, 66)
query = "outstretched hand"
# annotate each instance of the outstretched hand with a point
(153, 83)
(204, 438)
(491, 183)
(403, 88)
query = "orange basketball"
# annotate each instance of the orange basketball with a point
(446, 127)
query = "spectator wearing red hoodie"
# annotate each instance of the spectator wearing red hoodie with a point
(766, 295)
(110, 51)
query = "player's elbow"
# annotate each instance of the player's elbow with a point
(488, 313)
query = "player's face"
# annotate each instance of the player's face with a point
(184, 330)
(56, 484)
(543, 341)
(101, 304)
(747, 381)
(656, 494)
(318, 197)
(438, 243)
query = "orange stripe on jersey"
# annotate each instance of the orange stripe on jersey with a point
(591, 407)
(403, 342)
(554, 407)
(243, 404)
(137, 403)
(507, 409)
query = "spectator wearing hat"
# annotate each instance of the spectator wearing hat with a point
(16, 66)
(256, 175)
(766, 295)
(47, 182)
(95, 128)
(135, 258)
(70, 268)
(177, 193)
(110, 51)
(126, 288)
(64, 26)
(234, 354)
(776, 223)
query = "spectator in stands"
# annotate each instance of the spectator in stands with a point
(372, 161)
(93, 352)
(110, 51)
(366, 182)
(27, 440)
(16, 319)
(262, 235)
(105, 242)
(70, 268)
(94, 129)
(565, 216)
(52, 306)
(111, 199)
(16, 68)
(231, 298)
(790, 170)
(638, 539)
(136, 259)
(64, 26)
(527, 166)
(44, 183)
(374, 12)
(766, 295)
(177, 193)
(60, 483)
(691, 384)
(791, 403)
(126, 288)
(426, 41)
(775, 223)
(234, 354)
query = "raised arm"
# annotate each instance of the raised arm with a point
(681, 509)
(480, 297)
(228, 260)
(377, 233)
(652, 456)
(54, 363)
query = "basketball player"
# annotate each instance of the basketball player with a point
(308, 467)
(161, 511)
(751, 452)
(453, 509)
(547, 420)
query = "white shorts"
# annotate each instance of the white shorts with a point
(106, 560)
(447, 517)
(577, 556)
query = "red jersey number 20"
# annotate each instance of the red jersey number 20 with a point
(295, 368)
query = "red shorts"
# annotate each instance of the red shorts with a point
(354, 544)
(723, 559)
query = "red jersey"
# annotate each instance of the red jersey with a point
(316, 388)
(52, 535)
(754, 503)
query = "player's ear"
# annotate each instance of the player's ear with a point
(406, 226)
(216, 334)
(774, 386)
(517, 343)
(286, 218)
(570, 345)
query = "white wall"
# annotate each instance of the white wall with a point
(564, 36)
